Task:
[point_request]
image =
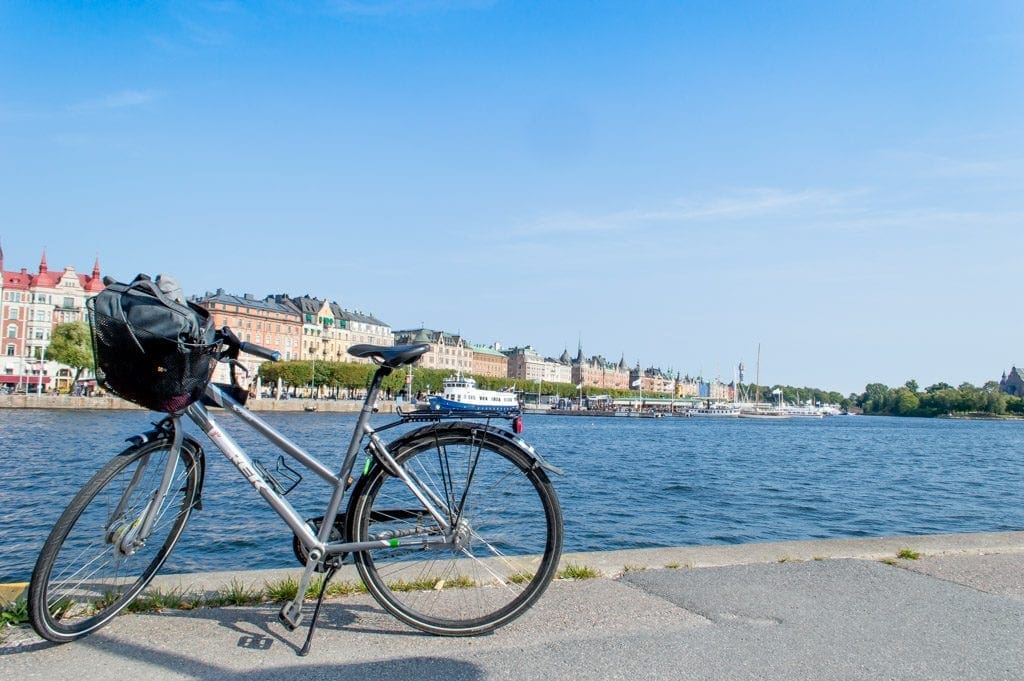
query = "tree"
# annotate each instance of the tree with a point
(912, 386)
(907, 401)
(72, 345)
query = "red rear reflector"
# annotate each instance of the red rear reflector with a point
(517, 424)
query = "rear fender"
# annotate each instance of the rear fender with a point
(478, 430)
(400, 444)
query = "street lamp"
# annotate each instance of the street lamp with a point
(42, 360)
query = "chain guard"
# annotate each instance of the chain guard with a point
(337, 532)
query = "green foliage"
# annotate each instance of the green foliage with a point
(15, 613)
(155, 600)
(908, 554)
(938, 399)
(574, 571)
(71, 345)
(282, 590)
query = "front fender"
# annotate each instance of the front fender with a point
(188, 441)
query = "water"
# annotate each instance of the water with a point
(629, 483)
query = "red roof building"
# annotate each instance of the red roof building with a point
(31, 305)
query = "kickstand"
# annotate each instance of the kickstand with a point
(316, 611)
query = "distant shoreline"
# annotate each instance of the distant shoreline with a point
(110, 403)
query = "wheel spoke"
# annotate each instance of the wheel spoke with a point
(505, 535)
(82, 579)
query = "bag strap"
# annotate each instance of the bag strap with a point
(143, 283)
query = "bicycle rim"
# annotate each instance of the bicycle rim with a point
(507, 513)
(88, 571)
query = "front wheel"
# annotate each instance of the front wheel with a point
(503, 546)
(95, 562)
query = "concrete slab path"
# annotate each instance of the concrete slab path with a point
(955, 613)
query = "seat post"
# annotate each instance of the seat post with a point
(352, 453)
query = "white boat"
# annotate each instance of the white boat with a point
(805, 411)
(766, 413)
(717, 410)
(461, 394)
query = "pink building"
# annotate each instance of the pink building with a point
(31, 305)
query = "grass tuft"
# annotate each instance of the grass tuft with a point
(14, 614)
(237, 593)
(345, 588)
(633, 568)
(908, 554)
(156, 600)
(520, 577)
(282, 590)
(432, 584)
(574, 571)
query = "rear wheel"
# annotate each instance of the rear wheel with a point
(93, 563)
(506, 538)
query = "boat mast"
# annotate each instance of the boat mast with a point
(757, 375)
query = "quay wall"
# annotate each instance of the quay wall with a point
(107, 402)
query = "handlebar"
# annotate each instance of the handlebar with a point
(232, 341)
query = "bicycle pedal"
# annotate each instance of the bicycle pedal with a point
(290, 616)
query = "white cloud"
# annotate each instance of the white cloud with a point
(125, 99)
(746, 204)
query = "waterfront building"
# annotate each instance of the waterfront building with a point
(597, 372)
(329, 330)
(652, 380)
(687, 387)
(267, 322)
(488, 360)
(358, 327)
(525, 364)
(31, 306)
(558, 370)
(1013, 383)
(447, 350)
(300, 328)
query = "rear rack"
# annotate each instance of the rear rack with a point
(455, 414)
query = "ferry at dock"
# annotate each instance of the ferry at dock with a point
(461, 394)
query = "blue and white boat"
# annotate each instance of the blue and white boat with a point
(461, 394)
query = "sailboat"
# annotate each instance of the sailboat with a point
(760, 410)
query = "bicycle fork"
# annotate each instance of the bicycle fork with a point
(128, 534)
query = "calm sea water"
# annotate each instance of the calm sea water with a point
(629, 482)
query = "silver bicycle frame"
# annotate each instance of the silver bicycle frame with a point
(317, 545)
(199, 414)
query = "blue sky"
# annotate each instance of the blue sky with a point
(674, 182)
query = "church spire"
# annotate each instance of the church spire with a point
(42, 263)
(96, 268)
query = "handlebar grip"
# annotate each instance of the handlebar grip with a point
(259, 351)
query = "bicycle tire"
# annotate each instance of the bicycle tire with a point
(81, 579)
(512, 525)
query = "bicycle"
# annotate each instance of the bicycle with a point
(454, 527)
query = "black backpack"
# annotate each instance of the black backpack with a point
(152, 346)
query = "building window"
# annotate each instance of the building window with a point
(10, 350)
(12, 312)
(12, 331)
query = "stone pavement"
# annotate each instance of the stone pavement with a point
(844, 609)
